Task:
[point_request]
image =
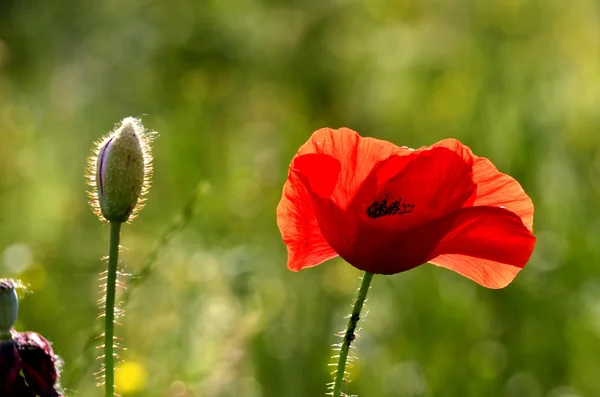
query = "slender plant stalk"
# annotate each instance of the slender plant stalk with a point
(87, 357)
(109, 314)
(350, 333)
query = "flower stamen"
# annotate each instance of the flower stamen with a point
(378, 209)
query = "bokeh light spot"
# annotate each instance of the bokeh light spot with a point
(17, 257)
(131, 377)
(523, 385)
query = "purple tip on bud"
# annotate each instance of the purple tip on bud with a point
(102, 165)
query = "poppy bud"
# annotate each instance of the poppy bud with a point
(121, 170)
(9, 307)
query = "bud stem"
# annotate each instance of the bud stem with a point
(350, 333)
(109, 315)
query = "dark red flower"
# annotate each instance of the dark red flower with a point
(27, 366)
(387, 209)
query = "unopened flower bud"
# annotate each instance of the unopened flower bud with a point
(121, 171)
(9, 307)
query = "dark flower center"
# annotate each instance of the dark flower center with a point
(381, 208)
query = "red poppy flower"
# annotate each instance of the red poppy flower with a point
(387, 209)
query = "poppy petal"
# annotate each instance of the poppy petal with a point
(357, 157)
(494, 188)
(493, 241)
(320, 175)
(427, 184)
(299, 228)
(321, 172)
(500, 190)
(489, 245)
(485, 272)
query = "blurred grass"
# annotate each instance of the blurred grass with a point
(233, 88)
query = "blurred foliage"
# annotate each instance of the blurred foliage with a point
(233, 87)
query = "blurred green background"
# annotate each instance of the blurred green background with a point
(233, 88)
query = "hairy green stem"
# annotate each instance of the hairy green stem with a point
(81, 366)
(350, 334)
(109, 314)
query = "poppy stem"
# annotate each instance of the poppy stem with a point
(350, 334)
(109, 314)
